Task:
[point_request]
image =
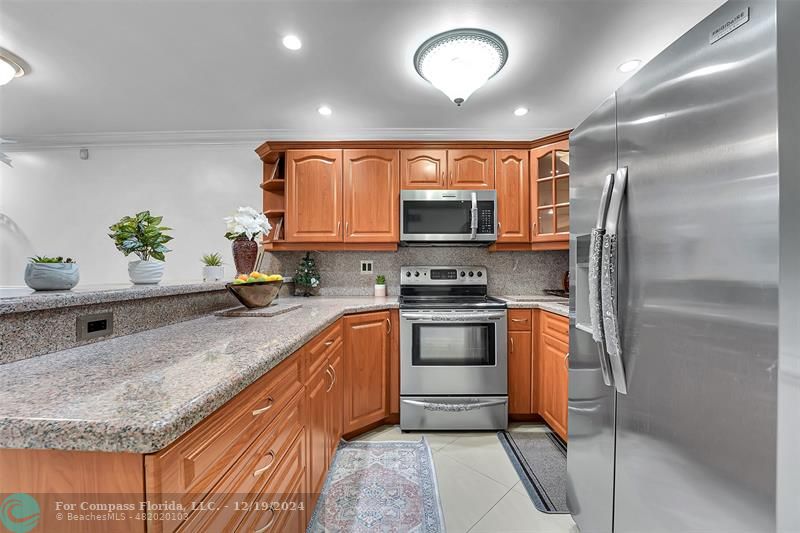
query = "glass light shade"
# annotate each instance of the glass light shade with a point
(459, 62)
(7, 72)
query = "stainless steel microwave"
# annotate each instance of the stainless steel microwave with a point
(438, 217)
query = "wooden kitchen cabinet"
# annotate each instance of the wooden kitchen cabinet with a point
(423, 169)
(554, 371)
(371, 196)
(549, 169)
(313, 196)
(366, 359)
(470, 169)
(519, 372)
(512, 180)
(317, 427)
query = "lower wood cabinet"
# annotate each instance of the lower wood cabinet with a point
(520, 362)
(366, 360)
(553, 347)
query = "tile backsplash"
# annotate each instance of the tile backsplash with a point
(509, 272)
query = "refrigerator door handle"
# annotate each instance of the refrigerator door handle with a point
(609, 288)
(595, 261)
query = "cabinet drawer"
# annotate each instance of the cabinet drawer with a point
(280, 505)
(519, 320)
(555, 326)
(319, 348)
(191, 466)
(230, 501)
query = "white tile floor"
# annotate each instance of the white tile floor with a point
(478, 486)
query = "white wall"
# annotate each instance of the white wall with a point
(53, 203)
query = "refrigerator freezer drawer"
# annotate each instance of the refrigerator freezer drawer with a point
(452, 412)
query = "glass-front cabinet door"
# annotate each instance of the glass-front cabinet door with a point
(550, 192)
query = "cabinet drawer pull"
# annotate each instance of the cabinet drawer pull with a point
(328, 343)
(266, 408)
(333, 374)
(333, 380)
(511, 339)
(566, 361)
(268, 524)
(263, 469)
(519, 320)
(388, 327)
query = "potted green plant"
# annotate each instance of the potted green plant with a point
(380, 285)
(244, 227)
(44, 273)
(143, 235)
(212, 267)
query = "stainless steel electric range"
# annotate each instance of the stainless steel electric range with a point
(453, 358)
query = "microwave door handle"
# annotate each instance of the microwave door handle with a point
(609, 283)
(595, 260)
(474, 218)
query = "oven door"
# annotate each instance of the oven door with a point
(448, 216)
(453, 352)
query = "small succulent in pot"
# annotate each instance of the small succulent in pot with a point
(244, 227)
(143, 235)
(380, 285)
(51, 273)
(213, 269)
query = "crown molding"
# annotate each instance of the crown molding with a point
(253, 138)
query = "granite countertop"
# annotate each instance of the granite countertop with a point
(21, 299)
(140, 392)
(553, 304)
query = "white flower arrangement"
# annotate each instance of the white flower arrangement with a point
(246, 223)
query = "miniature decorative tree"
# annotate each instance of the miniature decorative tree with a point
(306, 277)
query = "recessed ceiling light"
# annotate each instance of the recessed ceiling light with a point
(521, 111)
(324, 110)
(458, 62)
(11, 66)
(630, 65)
(292, 42)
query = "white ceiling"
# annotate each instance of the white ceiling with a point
(216, 68)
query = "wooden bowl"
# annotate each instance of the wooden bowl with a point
(255, 295)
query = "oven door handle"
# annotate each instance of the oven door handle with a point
(454, 317)
(454, 407)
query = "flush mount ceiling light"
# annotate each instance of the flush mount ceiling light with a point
(459, 62)
(521, 111)
(11, 66)
(324, 110)
(292, 42)
(630, 65)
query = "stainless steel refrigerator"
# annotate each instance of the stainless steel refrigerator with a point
(684, 381)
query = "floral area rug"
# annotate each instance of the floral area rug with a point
(380, 486)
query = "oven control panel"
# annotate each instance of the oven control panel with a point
(450, 275)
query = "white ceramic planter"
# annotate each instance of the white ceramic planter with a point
(380, 290)
(213, 273)
(146, 272)
(52, 276)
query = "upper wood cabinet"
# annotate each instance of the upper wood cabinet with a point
(550, 192)
(366, 360)
(372, 196)
(314, 196)
(512, 181)
(470, 169)
(423, 169)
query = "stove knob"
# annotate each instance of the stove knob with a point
(416, 274)
(408, 273)
(463, 273)
(471, 273)
(480, 274)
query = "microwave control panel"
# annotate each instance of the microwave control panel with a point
(486, 217)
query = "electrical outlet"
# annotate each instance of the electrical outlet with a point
(366, 267)
(93, 326)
